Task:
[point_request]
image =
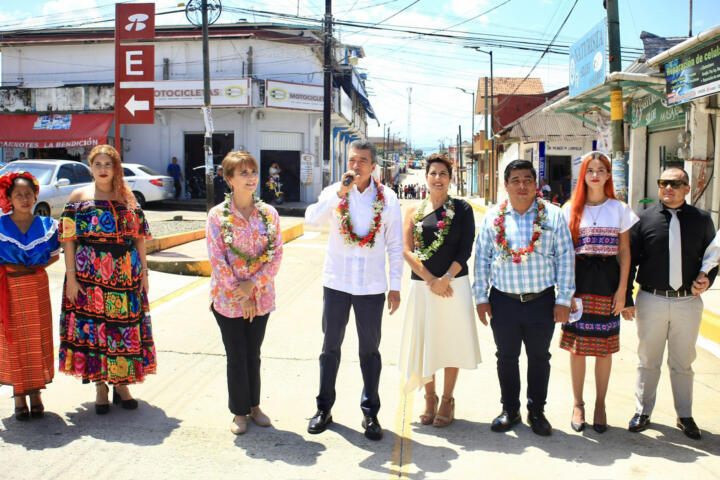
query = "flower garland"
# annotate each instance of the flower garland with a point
(421, 252)
(226, 231)
(346, 227)
(520, 254)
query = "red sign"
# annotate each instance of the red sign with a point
(134, 21)
(137, 63)
(136, 105)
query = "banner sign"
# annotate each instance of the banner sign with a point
(293, 96)
(189, 93)
(693, 75)
(651, 112)
(588, 60)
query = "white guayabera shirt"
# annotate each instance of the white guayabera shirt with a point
(350, 268)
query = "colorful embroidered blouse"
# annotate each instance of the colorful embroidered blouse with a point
(34, 247)
(228, 270)
(601, 226)
(102, 220)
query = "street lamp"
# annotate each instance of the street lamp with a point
(472, 132)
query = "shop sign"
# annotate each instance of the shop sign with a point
(190, 93)
(693, 75)
(587, 60)
(293, 96)
(651, 112)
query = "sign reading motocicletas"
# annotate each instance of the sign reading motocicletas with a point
(134, 63)
(293, 96)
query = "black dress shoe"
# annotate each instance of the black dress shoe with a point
(539, 424)
(505, 421)
(639, 422)
(689, 427)
(372, 427)
(320, 421)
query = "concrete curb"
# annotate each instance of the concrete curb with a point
(163, 243)
(200, 267)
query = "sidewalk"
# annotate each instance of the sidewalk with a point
(709, 329)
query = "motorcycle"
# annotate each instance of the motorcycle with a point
(273, 191)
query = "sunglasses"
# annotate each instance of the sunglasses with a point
(675, 184)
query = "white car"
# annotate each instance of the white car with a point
(57, 179)
(147, 184)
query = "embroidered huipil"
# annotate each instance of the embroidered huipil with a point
(552, 262)
(350, 268)
(601, 226)
(228, 270)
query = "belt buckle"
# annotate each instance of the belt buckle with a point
(522, 297)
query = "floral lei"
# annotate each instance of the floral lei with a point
(521, 254)
(226, 232)
(346, 227)
(420, 251)
(7, 180)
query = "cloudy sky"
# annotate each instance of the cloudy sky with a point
(433, 67)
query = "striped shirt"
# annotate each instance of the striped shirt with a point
(552, 262)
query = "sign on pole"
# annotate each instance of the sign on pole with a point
(134, 63)
(588, 60)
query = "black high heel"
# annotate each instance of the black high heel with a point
(129, 404)
(578, 427)
(102, 408)
(22, 413)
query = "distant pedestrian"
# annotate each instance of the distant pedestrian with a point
(667, 246)
(175, 172)
(244, 244)
(28, 244)
(522, 253)
(220, 188)
(365, 227)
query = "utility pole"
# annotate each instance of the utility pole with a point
(472, 131)
(460, 162)
(209, 191)
(486, 160)
(690, 29)
(327, 91)
(409, 121)
(619, 166)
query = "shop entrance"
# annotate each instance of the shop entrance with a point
(194, 171)
(558, 174)
(289, 163)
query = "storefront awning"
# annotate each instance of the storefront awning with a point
(55, 130)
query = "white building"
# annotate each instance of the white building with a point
(267, 99)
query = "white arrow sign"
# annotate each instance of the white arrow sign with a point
(134, 105)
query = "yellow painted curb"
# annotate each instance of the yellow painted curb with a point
(291, 233)
(402, 450)
(163, 243)
(710, 327)
(479, 208)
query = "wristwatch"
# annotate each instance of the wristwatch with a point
(448, 274)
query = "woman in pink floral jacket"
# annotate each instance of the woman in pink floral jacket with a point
(245, 248)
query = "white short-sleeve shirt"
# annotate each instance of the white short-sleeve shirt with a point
(601, 226)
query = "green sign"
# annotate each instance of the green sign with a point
(650, 112)
(693, 75)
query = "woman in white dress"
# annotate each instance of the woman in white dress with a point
(439, 326)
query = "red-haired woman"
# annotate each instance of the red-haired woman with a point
(28, 244)
(105, 330)
(600, 228)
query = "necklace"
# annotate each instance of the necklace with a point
(346, 227)
(599, 210)
(520, 254)
(226, 232)
(443, 226)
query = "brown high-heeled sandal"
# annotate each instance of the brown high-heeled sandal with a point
(442, 420)
(428, 417)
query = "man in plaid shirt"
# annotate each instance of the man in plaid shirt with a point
(523, 252)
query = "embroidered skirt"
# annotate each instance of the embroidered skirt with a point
(438, 332)
(26, 360)
(597, 333)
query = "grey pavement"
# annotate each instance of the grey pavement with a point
(181, 429)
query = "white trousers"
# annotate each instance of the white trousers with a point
(677, 322)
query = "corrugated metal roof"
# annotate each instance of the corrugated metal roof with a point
(536, 126)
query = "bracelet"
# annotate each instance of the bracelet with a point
(448, 274)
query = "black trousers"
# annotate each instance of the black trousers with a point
(368, 311)
(178, 187)
(242, 340)
(515, 323)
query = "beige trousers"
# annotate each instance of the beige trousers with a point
(677, 322)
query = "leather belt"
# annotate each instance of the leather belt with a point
(527, 297)
(667, 293)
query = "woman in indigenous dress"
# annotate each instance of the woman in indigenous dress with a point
(28, 244)
(600, 228)
(105, 331)
(244, 244)
(439, 326)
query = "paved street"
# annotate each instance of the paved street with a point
(181, 429)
